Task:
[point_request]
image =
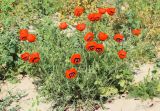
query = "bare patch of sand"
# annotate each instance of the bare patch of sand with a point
(31, 102)
(142, 72)
(125, 104)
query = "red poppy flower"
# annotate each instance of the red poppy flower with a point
(97, 16)
(34, 57)
(90, 46)
(81, 27)
(102, 36)
(118, 37)
(78, 11)
(94, 16)
(136, 32)
(63, 25)
(111, 11)
(71, 73)
(102, 10)
(122, 54)
(23, 34)
(89, 37)
(99, 48)
(31, 38)
(25, 56)
(75, 59)
(91, 17)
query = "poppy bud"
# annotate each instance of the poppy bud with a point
(136, 32)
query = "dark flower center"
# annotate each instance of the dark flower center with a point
(91, 47)
(76, 60)
(24, 37)
(112, 12)
(25, 58)
(35, 59)
(122, 54)
(98, 49)
(119, 40)
(89, 39)
(71, 74)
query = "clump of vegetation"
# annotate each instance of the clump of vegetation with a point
(147, 89)
(69, 68)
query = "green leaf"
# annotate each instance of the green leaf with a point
(122, 83)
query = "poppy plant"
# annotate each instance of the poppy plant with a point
(23, 34)
(63, 25)
(31, 38)
(89, 37)
(99, 48)
(122, 54)
(78, 11)
(102, 36)
(90, 46)
(136, 32)
(71, 73)
(81, 27)
(111, 11)
(102, 10)
(118, 37)
(75, 59)
(34, 57)
(94, 16)
(25, 56)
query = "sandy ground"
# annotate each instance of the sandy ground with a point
(125, 104)
(143, 71)
(28, 102)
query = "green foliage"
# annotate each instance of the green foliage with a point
(158, 63)
(149, 88)
(146, 89)
(8, 52)
(98, 75)
(109, 70)
(44, 7)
